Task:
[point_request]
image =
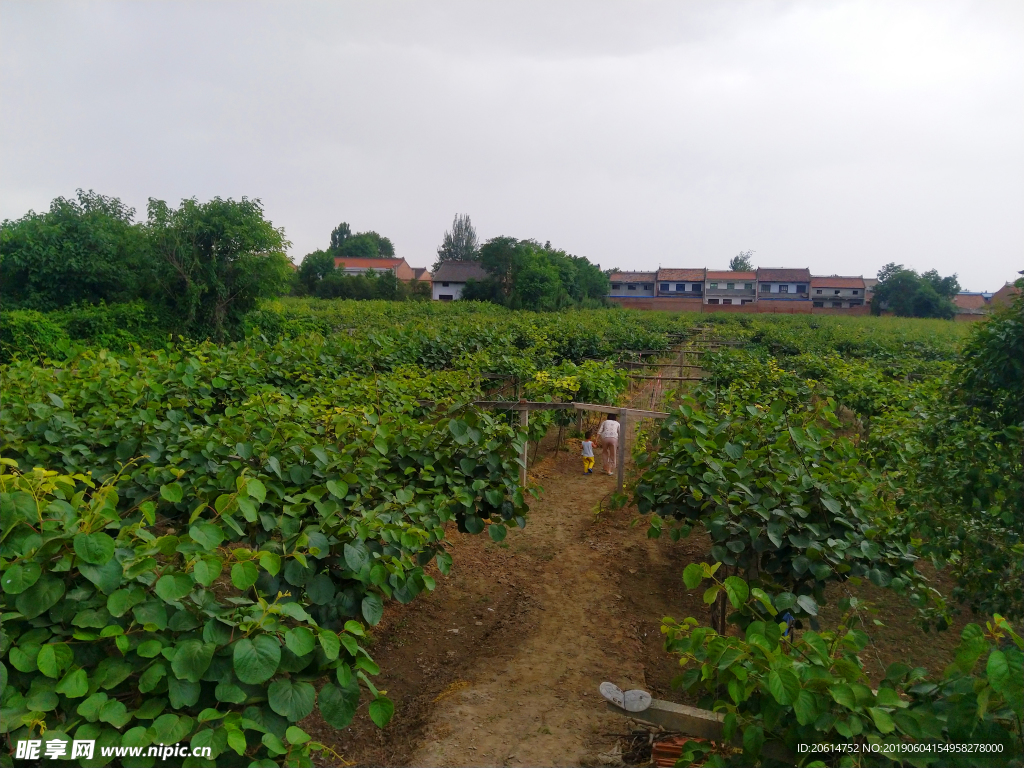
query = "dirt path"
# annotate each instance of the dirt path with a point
(501, 664)
(539, 704)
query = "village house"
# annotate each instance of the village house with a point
(402, 270)
(837, 292)
(783, 284)
(728, 287)
(681, 283)
(632, 285)
(1005, 295)
(451, 277)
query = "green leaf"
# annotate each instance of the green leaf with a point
(497, 532)
(270, 562)
(255, 661)
(844, 695)
(737, 590)
(173, 587)
(474, 524)
(330, 643)
(883, 722)
(290, 699)
(106, 577)
(40, 597)
(173, 492)
(54, 658)
(299, 641)
(74, 685)
(753, 740)
(295, 735)
(256, 489)
(997, 669)
(206, 535)
(338, 488)
(807, 603)
(207, 570)
(182, 693)
(805, 707)
(20, 577)
(381, 711)
(191, 659)
(693, 575)
(94, 548)
(244, 575)
(338, 703)
(236, 740)
(784, 686)
(356, 555)
(373, 609)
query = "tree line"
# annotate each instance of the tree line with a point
(200, 267)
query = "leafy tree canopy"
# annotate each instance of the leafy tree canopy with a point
(215, 260)
(460, 244)
(527, 275)
(362, 245)
(741, 262)
(908, 294)
(82, 251)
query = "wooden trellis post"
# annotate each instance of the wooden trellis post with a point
(524, 422)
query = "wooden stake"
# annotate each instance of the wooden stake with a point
(524, 422)
(620, 460)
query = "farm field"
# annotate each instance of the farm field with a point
(262, 547)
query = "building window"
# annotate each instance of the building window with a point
(648, 287)
(730, 286)
(727, 301)
(837, 291)
(819, 303)
(837, 303)
(630, 287)
(698, 287)
(748, 286)
(680, 286)
(665, 287)
(444, 285)
(712, 301)
(746, 301)
(801, 289)
(445, 297)
(783, 289)
(855, 293)
(616, 286)
(818, 291)
(713, 286)
(766, 288)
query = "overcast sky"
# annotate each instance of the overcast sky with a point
(835, 135)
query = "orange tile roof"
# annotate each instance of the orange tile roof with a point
(366, 263)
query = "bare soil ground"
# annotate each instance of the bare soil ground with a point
(500, 665)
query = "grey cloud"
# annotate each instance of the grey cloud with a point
(835, 135)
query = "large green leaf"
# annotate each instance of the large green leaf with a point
(255, 661)
(784, 685)
(174, 586)
(373, 609)
(40, 597)
(381, 711)
(20, 577)
(191, 659)
(95, 548)
(106, 577)
(291, 699)
(338, 704)
(299, 640)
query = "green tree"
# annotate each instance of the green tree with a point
(460, 243)
(314, 268)
(741, 262)
(217, 260)
(908, 294)
(339, 235)
(83, 250)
